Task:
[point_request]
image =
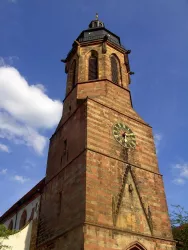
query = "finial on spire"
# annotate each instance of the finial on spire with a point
(95, 23)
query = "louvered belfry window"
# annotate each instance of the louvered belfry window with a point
(114, 69)
(93, 66)
(72, 73)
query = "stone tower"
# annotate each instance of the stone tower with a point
(103, 188)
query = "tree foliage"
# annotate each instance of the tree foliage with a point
(179, 221)
(4, 234)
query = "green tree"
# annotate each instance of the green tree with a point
(179, 222)
(4, 234)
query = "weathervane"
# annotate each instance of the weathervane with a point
(97, 16)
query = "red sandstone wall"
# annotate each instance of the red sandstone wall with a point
(106, 165)
(74, 131)
(88, 180)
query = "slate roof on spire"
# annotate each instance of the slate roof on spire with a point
(97, 30)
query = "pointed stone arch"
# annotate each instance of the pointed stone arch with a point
(23, 219)
(32, 214)
(135, 246)
(117, 201)
(10, 226)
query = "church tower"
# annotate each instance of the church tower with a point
(103, 189)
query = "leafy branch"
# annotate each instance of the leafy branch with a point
(179, 222)
(4, 234)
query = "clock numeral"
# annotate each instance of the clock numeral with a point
(132, 144)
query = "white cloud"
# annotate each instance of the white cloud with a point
(157, 138)
(2, 61)
(28, 164)
(4, 148)
(12, 1)
(25, 102)
(183, 169)
(41, 87)
(20, 133)
(9, 60)
(25, 109)
(20, 179)
(3, 171)
(179, 181)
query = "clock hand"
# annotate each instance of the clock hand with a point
(129, 134)
(124, 135)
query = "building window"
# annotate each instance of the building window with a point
(72, 74)
(59, 203)
(65, 152)
(136, 246)
(23, 219)
(36, 207)
(65, 147)
(93, 66)
(10, 226)
(32, 214)
(115, 69)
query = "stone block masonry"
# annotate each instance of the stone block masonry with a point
(98, 194)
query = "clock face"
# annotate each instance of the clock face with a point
(124, 135)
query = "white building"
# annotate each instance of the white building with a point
(22, 217)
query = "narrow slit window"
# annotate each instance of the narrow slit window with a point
(59, 203)
(65, 146)
(67, 155)
(72, 74)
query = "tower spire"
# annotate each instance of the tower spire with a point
(96, 23)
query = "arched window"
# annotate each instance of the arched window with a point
(115, 69)
(72, 74)
(10, 226)
(136, 246)
(93, 66)
(32, 214)
(23, 219)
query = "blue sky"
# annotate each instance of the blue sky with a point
(35, 35)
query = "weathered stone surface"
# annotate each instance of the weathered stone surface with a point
(86, 179)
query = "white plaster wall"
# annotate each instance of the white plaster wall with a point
(20, 240)
(28, 208)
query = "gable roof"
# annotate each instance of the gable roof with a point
(35, 191)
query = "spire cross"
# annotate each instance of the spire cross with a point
(97, 16)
